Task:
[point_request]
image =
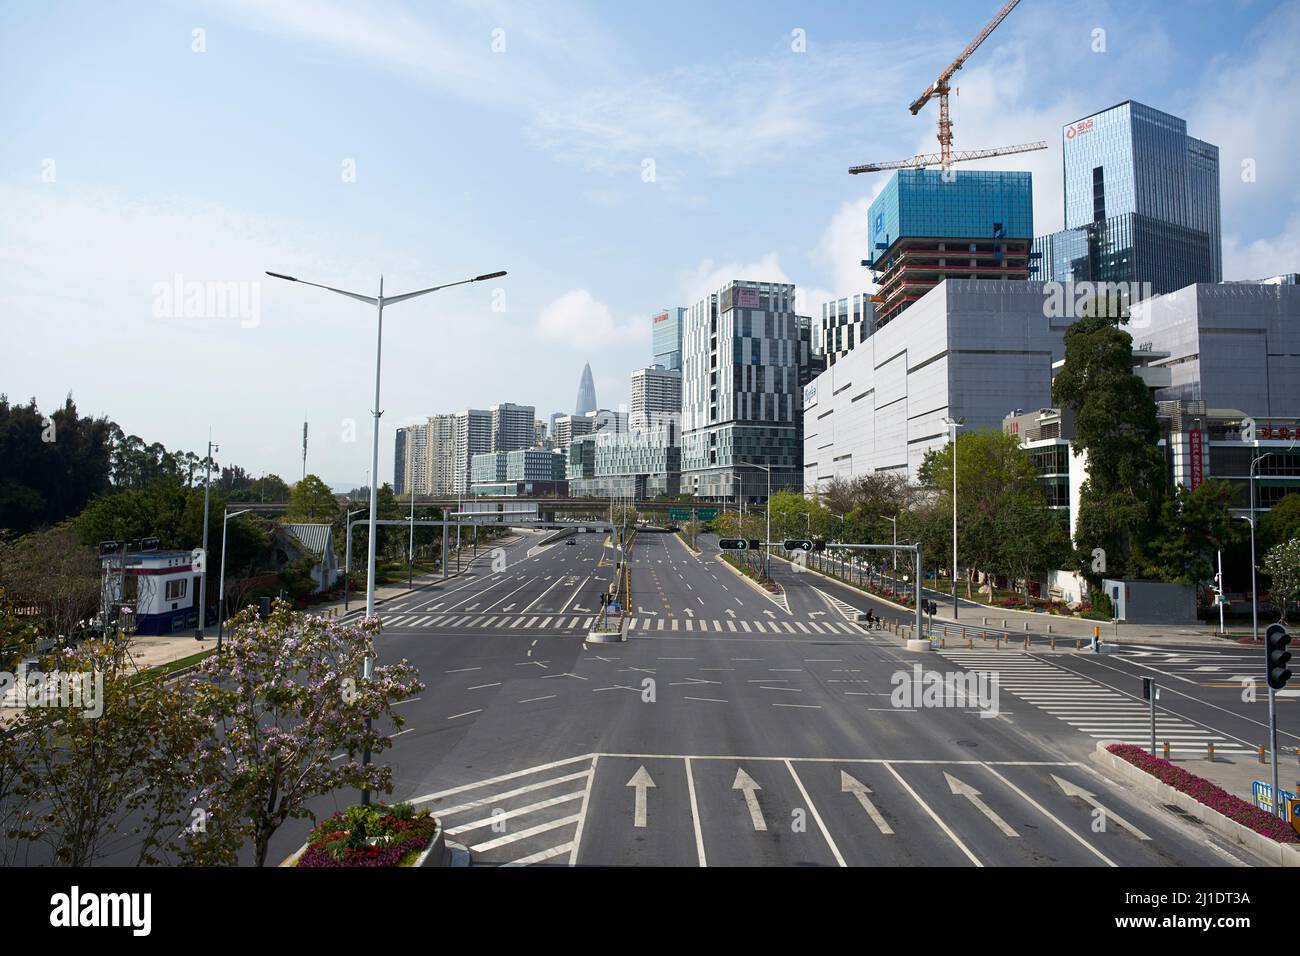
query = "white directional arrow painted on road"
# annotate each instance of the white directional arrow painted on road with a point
(508, 608)
(730, 613)
(689, 612)
(860, 790)
(973, 795)
(641, 780)
(816, 613)
(770, 613)
(472, 607)
(749, 786)
(1074, 790)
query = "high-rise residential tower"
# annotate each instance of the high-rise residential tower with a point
(656, 396)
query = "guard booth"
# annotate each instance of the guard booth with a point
(160, 587)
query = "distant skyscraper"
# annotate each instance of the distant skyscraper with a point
(399, 463)
(586, 393)
(473, 437)
(656, 396)
(1141, 203)
(666, 337)
(513, 426)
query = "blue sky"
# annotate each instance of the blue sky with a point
(128, 158)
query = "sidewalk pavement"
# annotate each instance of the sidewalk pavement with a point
(1016, 622)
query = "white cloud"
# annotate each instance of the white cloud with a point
(578, 319)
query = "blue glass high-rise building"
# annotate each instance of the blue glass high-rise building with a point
(1141, 203)
(666, 337)
(928, 225)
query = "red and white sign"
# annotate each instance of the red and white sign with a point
(662, 317)
(1079, 128)
(1195, 446)
(747, 298)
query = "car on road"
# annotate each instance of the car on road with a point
(571, 541)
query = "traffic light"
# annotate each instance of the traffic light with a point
(797, 544)
(1276, 639)
(738, 544)
(819, 545)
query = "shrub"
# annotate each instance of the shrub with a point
(1207, 793)
(370, 836)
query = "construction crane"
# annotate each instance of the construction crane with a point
(939, 88)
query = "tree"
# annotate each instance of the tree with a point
(996, 487)
(312, 500)
(54, 571)
(121, 755)
(1032, 537)
(1282, 564)
(1194, 525)
(1117, 429)
(49, 467)
(283, 698)
(1280, 523)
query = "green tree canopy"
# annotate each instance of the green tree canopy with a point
(312, 500)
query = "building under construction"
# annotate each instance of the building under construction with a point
(929, 225)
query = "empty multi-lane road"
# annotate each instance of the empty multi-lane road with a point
(737, 727)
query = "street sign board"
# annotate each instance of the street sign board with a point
(679, 514)
(797, 544)
(706, 514)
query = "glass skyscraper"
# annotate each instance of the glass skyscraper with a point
(666, 337)
(1141, 203)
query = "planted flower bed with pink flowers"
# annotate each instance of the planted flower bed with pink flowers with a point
(370, 836)
(1207, 793)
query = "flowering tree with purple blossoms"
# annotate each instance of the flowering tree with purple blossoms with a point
(284, 697)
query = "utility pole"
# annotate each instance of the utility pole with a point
(304, 447)
(954, 424)
(203, 575)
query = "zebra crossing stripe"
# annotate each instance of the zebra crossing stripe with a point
(488, 622)
(546, 623)
(531, 622)
(732, 625)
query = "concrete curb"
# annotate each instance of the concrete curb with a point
(750, 581)
(1279, 854)
(439, 852)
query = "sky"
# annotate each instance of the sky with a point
(616, 158)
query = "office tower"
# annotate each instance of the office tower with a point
(666, 337)
(928, 225)
(586, 393)
(744, 351)
(1141, 203)
(399, 462)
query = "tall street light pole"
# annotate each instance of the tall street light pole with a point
(410, 547)
(894, 522)
(378, 302)
(203, 576)
(954, 424)
(1278, 810)
(221, 587)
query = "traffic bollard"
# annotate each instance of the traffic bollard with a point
(1166, 750)
(1261, 753)
(1053, 643)
(1026, 642)
(1078, 643)
(1209, 751)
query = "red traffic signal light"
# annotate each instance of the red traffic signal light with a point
(1276, 639)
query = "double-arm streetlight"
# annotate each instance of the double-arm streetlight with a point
(954, 424)
(379, 302)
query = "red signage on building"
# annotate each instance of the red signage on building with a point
(662, 318)
(1194, 449)
(1079, 128)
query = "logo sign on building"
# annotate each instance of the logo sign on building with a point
(809, 394)
(1282, 432)
(1195, 450)
(662, 317)
(1079, 128)
(747, 298)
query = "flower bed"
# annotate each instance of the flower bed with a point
(1207, 793)
(370, 836)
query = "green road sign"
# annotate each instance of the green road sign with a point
(706, 514)
(679, 514)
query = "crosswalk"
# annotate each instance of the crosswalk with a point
(1209, 667)
(518, 819)
(1090, 708)
(641, 624)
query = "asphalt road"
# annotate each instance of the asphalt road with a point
(703, 743)
(743, 731)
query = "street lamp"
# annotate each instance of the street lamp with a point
(954, 424)
(347, 560)
(221, 588)
(894, 522)
(767, 567)
(203, 577)
(379, 302)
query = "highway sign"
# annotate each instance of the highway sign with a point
(679, 514)
(706, 514)
(684, 514)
